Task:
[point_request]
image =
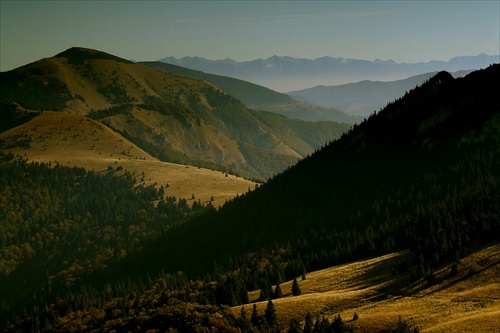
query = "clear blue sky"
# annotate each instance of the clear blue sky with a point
(405, 31)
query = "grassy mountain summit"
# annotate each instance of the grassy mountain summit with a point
(77, 55)
(174, 118)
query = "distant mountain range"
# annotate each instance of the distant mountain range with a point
(285, 74)
(364, 97)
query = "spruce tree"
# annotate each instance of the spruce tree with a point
(296, 288)
(266, 291)
(270, 313)
(338, 325)
(294, 326)
(309, 323)
(277, 292)
(317, 325)
(304, 271)
(255, 318)
(244, 323)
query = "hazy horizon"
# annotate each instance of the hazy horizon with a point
(406, 32)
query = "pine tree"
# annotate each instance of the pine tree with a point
(294, 326)
(270, 313)
(309, 323)
(338, 325)
(296, 288)
(243, 322)
(255, 317)
(277, 292)
(317, 325)
(266, 292)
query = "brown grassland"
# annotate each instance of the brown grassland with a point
(468, 301)
(76, 140)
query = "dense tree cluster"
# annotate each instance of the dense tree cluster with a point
(35, 90)
(62, 224)
(13, 116)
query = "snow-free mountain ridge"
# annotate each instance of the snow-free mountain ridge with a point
(283, 73)
(364, 97)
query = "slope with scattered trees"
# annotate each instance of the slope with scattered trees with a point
(174, 118)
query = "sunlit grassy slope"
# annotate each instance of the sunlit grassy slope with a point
(75, 140)
(468, 301)
(174, 118)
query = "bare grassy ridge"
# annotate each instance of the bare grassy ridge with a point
(75, 140)
(466, 302)
(187, 121)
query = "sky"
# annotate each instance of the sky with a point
(404, 31)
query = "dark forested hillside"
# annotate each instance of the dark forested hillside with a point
(59, 224)
(422, 174)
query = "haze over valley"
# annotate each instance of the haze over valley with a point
(285, 74)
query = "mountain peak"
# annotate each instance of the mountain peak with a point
(79, 54)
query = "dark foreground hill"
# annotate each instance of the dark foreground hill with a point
(174, 118)
(422, 174)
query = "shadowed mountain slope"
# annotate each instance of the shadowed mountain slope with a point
(421, 174)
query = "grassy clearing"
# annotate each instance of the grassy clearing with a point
(75, 140)
(466, 302)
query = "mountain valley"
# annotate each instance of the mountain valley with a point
(365, 97)
(75, 140)
(121, 209)
(260, 98)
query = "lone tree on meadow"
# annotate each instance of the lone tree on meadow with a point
(296, 288)
(277, 292)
